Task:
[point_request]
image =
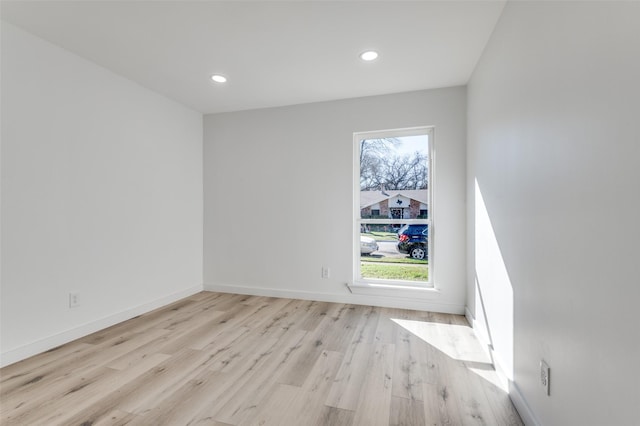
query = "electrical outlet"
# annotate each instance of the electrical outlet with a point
(325, 272)
(545, 376)
(74, 300)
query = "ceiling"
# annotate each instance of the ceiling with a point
(273, 53)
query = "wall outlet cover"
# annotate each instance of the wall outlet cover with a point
(74, 300)
(545, 376)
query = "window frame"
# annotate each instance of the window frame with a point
(358, 281)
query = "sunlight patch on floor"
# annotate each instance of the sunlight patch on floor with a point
(459, 343)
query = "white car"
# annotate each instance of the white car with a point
(367, 245)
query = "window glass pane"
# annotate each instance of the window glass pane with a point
(391, 253)
(394, 201)
(394, 177)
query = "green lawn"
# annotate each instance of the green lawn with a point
(394, 272)
(407, 259)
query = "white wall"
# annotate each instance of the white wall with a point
(101, 195)
(296, 163)
(553, 145)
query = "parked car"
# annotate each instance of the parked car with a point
(413, 240)
(367, 245)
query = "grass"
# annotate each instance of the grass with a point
(382, 236)
(394, 272)
(376, 259)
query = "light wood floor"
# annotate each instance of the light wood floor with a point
(223, 359)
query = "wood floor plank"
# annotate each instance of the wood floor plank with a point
(243, 315)
(386, 328)
(20, 407)
(86, 392)
(181, 320)
(408, 374)
(406, 412)
(108, 405)
(226, 359)
(331, 416)
(343, 326)
(269, 412)
(180, 405)
(225, 302)
(374, 404)
(334, 330)
(472, 402)
(315, 312)
(85, 368)
(308, 405)
(141, 396)
(347, 386)
(195, 332)
(302, 362)
(497, 396)
(250, 389)
(440, 408)
(258, 362)
(116, 418)
(158, 318)
(140, 353)
(222, 343)
(272, 313)
(27, 373)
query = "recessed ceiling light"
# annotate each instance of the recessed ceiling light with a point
(219, 78)
(369, 55)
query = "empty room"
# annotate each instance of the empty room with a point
(320, 213)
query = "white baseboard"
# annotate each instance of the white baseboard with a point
(347, 297)
(472, 322)
(515, 395)
(39, 346)
(521, 405)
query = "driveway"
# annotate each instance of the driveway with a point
(388, 249)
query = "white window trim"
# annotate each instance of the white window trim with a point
(381, 287)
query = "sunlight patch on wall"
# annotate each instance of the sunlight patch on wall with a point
(493, 292)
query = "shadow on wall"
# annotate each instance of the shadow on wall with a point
(493, 291)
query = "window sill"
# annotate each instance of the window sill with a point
(394, 290)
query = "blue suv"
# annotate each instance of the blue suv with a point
(413, 240)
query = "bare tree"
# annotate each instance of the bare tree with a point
(380, 169)
(371, 148)
(372, 151)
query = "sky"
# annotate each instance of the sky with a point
(411, 144)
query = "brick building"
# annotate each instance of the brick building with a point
(398, 204)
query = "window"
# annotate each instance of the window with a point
(393, 228)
